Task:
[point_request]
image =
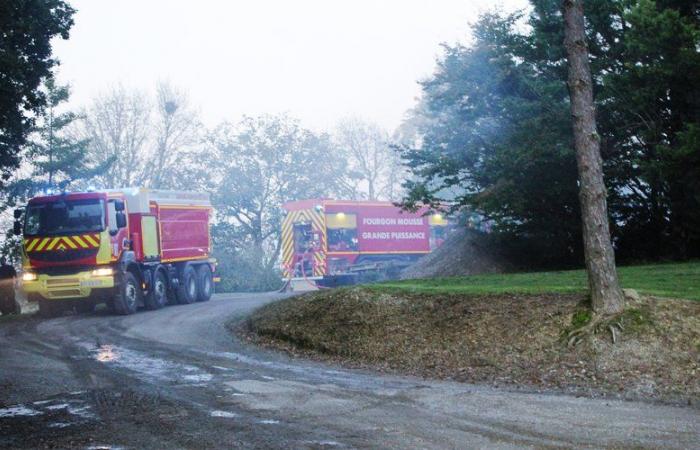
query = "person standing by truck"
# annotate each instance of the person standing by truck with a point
(8, 302)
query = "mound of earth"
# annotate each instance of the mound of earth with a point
(500, 339)
(462, 253)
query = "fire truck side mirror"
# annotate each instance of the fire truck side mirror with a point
(18, 228)
(119, 206)
(121, 220)
(18, 213)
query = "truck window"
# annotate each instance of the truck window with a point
(112, 216)
(342, 232)
(64, 217)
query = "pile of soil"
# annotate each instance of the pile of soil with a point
(464, 252)
(505, 339)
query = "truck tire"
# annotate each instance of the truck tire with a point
(49, 308)
(187, 289)
(158, 295)
(128, 296)
(205, 283)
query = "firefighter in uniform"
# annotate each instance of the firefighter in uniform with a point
(8, 303)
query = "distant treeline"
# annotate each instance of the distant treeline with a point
(493, 130)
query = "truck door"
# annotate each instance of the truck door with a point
(303, 249)
(117, 236)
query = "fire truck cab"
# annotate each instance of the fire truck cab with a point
(128, 248)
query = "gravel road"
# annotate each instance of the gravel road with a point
(175, 378)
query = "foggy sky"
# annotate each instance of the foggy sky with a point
(318, 60)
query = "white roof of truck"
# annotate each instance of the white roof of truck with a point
(139, 199)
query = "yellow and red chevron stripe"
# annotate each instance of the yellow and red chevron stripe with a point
(77, 242)
(317, 220)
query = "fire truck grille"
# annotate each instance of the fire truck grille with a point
(65, 293)
(63, 282)
(60, 256)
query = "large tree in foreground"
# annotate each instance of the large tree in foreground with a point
(606, 294)
(26, 30)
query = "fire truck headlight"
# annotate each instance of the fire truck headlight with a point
(102, 272)
(29, 276)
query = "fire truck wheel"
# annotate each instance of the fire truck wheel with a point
(128, 296)
(187, 290)
(48, 308)
(205, 283)
(158, 295)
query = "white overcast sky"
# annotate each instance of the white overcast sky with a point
(318, 60)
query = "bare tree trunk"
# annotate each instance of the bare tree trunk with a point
(606, 294)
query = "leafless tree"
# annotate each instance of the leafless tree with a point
(176, 128)
(150, 143)
(606, 294)
(118, 126)
(373, 167)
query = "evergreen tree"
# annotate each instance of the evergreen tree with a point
(650, 104)
(27, 28)
(58, 157)
(495, 132)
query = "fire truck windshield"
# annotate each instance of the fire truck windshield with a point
(64, 217)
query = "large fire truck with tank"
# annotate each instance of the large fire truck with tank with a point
(127, 248)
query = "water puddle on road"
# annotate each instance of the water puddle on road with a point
(148, 368)
(59, 406)
(106, 354)
(60, 412)
(225, 414)
(269, 421)
(324, 444)
(18, 410)
(104, 447)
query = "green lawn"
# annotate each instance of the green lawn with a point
(663, 280)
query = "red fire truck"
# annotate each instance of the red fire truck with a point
(334, 242)
(127, 248)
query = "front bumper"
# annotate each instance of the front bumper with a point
(78, 285)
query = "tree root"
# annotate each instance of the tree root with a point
(612, 323)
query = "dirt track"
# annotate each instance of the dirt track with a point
(175, 378)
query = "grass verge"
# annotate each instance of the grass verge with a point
(660, 280)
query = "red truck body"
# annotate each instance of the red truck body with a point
(183, 228)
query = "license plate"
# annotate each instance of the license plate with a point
(91, 283)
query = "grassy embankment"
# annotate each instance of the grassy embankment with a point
(659, 280)
(504, 329)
